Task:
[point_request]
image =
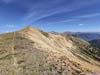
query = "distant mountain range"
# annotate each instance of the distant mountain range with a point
(88, 36)
(31, 51)
(92, 37)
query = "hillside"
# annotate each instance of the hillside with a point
(31, 51)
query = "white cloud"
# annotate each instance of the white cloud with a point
(81, 24)
(10, 26)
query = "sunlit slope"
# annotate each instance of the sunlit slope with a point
(34, 52)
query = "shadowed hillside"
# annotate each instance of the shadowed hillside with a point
(95, 43)
(31, 51)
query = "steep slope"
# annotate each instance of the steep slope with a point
(34, 52)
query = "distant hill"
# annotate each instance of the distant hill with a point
(31, 51)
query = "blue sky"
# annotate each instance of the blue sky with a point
(50, 15)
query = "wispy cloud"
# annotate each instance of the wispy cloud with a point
(10, 26)
(81, 24)
(89, 15)
(68, 20)
(41, 13)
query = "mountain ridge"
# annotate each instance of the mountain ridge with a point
(48, 53)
